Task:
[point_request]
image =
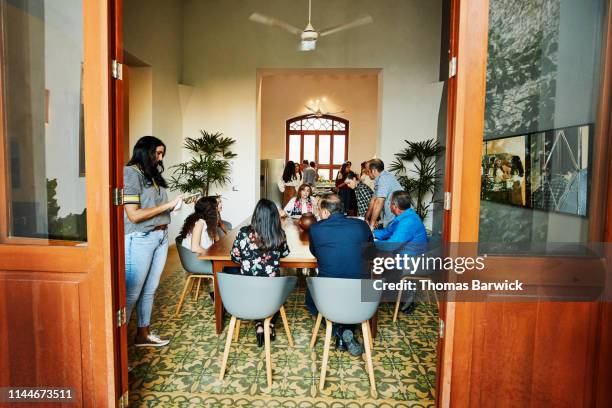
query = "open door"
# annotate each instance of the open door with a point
(531, 74)
(58, 225)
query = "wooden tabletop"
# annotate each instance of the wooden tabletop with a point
(297, 240)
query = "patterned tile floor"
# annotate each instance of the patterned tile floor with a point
(184, 373)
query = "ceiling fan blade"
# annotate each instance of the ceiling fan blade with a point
(334, 113)
(356, 23)
(274, 22)
(309, 108)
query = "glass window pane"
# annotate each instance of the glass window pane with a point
(309, 147)
(335, 173)
(543, 78)
(323, 174)
(324, 149)
(339, 148)
(42, 67)
(294, 147)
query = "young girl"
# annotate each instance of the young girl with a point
(146, 219)
(199, 231)
(258, 249)
(302, 203)
(289, 182)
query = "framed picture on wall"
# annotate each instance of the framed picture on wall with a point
(546, 171)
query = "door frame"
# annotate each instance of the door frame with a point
(466, 128)
(87, 266)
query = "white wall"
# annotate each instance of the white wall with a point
(355, 92)
(153, 34)
(222, 51)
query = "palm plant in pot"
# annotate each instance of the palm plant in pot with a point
(424, 156)
(209, 165)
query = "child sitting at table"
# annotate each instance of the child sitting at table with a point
(302, 203)
(258, 248)
(199, 230)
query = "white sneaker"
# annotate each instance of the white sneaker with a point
(152, 341)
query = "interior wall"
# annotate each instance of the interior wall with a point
(153, 34)
(140, 103)
(223, 50)
(285, 93)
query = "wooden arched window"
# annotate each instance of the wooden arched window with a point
(323, 140)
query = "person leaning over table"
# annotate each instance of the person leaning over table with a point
(384, 185)
(302, 203)
(363, 193)
(199, 230)
(406, 228)
(258, 248)
(146, 219)
(289, 182)
(337, 243)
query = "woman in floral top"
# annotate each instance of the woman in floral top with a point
(258, 249)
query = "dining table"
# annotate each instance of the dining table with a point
(299, 257)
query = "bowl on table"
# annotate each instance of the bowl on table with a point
(306, 220)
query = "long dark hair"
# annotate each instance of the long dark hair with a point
(517, 166)
(343, 170)
(204, 209)
(289, 172)
(143, 156)
(267, 226)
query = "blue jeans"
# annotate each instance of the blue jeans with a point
(145, 258)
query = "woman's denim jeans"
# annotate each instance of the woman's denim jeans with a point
(145, 258)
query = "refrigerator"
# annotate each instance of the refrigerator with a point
(271, 171)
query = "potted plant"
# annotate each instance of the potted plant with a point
(424, 156)
(209, 165)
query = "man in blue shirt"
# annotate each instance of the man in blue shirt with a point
(406, 228)
(385, 184)
(337, 242)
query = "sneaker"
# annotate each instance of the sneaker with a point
(352, 345)
(151, 341)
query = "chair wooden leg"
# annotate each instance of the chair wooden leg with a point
(286, 325)
(366, 342)
(397, 305)
(237, 331)
(267, 346)
(198, 288)
(370, 334)
(228, 344)
(328, 333)
(315, 331)
(182, 299)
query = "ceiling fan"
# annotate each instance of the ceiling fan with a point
(309, 35)
(319, 109)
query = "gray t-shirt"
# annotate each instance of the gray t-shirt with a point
(309, 175)
(137, 190)
(385, 185)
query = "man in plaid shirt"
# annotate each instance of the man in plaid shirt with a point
(362, 192)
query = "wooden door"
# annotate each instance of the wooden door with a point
(57, 320)
(537, 353)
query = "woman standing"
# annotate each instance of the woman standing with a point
(302, 203)
(258, 249)
(343, 189)
(146, 219)
(289, 182)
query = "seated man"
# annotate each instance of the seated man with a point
(337, 242)
(406, 227)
